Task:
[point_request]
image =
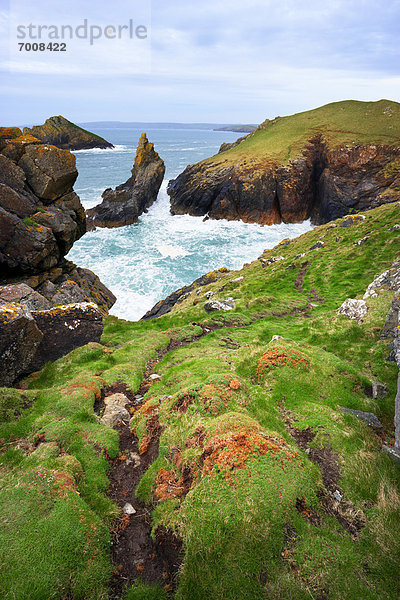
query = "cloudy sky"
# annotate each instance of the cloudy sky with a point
(210, 61)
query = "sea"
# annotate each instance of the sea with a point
(144, 262)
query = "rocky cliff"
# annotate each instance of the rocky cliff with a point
(40, 219)
(129, 200)
(321, 164)
(60, 132)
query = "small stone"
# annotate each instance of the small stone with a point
(113, 415)
(318, 244)
(238, 279)
(299, 256)
(337, 495)
(128, 509)
(154, 376)
(276, 337)
(209, 294)
(393, 452)
(362, 241)
(397, 226)
(379, 390)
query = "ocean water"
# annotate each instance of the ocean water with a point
(144, 262)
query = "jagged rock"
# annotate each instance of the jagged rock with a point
(388, 280)
(353, 309)
(21, 293)
(65, 328)
(20, 338)
(60, 132)
(49, 171)
(40, 219)
(128, 201)
(213, 305)
(128, 509)
(369, 418)
(165, 306)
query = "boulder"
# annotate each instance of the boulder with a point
(353, 309)
(129, 200)
(213, 305)
(65, 328)
(368, 418)
(62, 133)
(21, 293)
(49, 171)
(20, 338)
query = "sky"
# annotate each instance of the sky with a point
(222, 61)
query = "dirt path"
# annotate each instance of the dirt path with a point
(134, 553)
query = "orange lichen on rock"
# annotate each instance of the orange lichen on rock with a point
(279, 356)
(232, 451)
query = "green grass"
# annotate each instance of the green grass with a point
(243, 535)
(347, 122)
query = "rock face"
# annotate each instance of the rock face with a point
(165, 306)
(129, 200)
(40, 219)
(322, 165)
(60, 132)
(322, 185)
(65, 328)
(20, 338)
(30, 338)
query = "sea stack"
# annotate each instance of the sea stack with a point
(123, 205)
(60, 132)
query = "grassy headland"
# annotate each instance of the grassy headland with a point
(253, 441)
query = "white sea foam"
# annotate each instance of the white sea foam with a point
(117, 148)
(145, 262)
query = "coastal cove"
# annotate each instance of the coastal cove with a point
(145, 262)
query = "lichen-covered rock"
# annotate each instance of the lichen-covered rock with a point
(21, 293)
(353, 309)
(213, 305)
(129, 200)
(65, 328)
(49, 171)
(20, 338)
(60, 132)
(40, 219)
(388, 280)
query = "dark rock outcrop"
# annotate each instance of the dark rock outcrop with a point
(322, 184)
(165, 306)
(60, 132)
(65, 328)
(20, 338)
(30, 338)
(129, 200)
(40, 219)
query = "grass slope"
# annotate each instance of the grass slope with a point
(255, 522)
(348, 122)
